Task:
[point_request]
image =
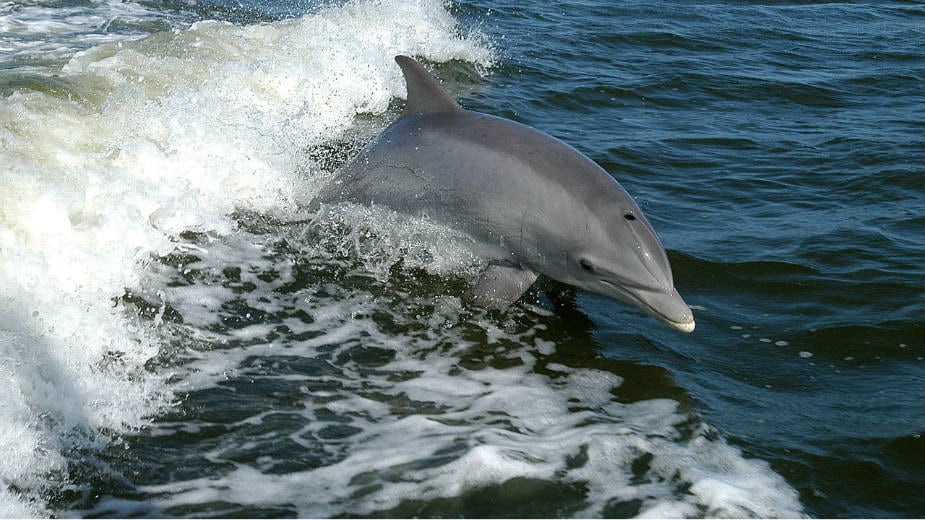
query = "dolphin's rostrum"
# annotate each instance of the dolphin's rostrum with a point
(531, 203)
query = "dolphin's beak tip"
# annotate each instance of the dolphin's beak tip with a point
(677, 314)
(685, 327)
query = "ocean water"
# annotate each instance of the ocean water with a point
(181, 336)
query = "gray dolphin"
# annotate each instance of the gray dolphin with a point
(531, 203)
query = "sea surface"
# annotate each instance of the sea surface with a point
(181, 336)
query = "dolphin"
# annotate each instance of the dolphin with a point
(531, 203)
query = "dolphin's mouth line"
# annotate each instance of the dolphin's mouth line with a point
(626, 284)
(630, 297)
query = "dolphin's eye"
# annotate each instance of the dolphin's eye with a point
(586, 265)
(629, 216)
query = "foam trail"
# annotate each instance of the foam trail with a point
(138, 142)
(428, 423)
(391, 401)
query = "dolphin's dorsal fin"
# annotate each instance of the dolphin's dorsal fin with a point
(425, 93)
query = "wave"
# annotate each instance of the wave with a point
(35, 34)
(126, 147)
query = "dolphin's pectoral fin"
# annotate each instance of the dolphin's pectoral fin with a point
(500, 285)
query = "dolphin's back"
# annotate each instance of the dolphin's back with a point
(470, 170)
(463, 167)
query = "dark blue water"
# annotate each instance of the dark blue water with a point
(777, 147)
(228, 353)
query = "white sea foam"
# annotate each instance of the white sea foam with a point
(151, 138)
(441, 430)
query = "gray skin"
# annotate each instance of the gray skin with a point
(531, 203)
